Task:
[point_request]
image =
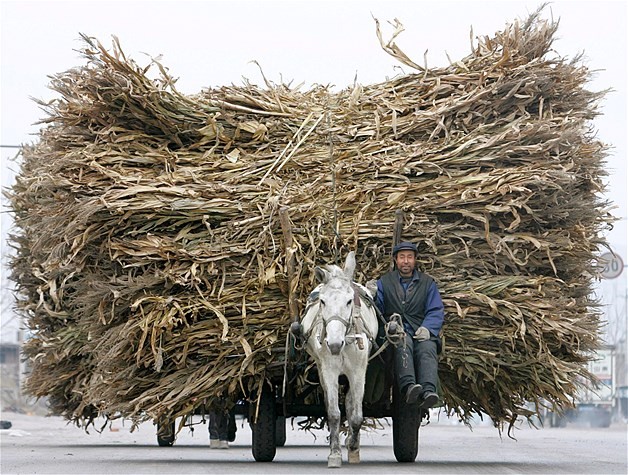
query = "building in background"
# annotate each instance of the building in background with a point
(10, 376)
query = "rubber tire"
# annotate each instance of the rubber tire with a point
(165, 439)
(231, 428)
(264, 428)
(406, 422)
(280, 431)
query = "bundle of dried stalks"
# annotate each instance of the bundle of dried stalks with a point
(151, 263)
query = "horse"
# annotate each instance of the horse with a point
(339, 325)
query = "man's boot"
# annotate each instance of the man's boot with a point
(428, 400)
(412, 393)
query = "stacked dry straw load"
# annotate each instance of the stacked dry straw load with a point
(153, 268)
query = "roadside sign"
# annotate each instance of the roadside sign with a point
(613, 265)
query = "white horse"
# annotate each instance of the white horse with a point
(339, 326)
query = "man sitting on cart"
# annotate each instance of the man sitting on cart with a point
(415, 297)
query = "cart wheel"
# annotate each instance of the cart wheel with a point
(280, 431)
(406, 423)
(165, 435)
(263, 428)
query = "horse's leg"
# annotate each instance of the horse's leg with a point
(353, 402)
(329, 381)
(353, 452)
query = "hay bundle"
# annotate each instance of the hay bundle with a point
(152, 265)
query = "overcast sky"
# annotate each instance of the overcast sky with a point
(213, 43)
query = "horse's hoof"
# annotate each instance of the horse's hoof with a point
(334, 461)
(354, 456)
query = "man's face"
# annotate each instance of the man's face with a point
(405, 261)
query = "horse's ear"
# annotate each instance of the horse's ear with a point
(321, 274)
(350, 265)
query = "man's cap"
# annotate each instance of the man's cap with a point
(405, 246)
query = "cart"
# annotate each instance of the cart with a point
(282, 399)
(291, 389)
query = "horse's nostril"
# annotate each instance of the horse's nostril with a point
(335, 347)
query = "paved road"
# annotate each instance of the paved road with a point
(38, 445)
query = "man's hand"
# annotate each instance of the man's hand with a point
(422, 334)
(371, 286)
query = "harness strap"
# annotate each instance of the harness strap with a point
(379, 350)
(356, 296)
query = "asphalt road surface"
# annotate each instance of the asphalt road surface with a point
(48, 445)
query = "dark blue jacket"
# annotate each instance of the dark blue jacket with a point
(431, 312)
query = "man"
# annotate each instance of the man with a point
(413, 295)
(218, 429)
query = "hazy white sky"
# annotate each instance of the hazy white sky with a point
(212, 43)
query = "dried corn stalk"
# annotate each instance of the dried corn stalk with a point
(151, 264)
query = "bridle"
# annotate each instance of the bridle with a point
(348, 323)
(355, 329)
(354, 325)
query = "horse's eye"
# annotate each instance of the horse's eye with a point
(349, 302)
(322, 302)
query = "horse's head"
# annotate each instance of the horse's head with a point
(336, 298)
